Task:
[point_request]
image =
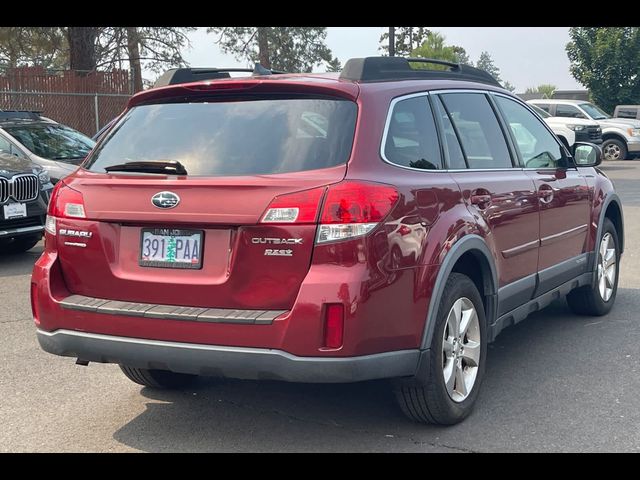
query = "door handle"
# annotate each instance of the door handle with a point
(481, 199)
(545, 193)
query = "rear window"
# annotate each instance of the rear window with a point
(225, 138)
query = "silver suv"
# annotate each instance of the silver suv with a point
(621, 136)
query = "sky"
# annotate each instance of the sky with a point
(526, 56)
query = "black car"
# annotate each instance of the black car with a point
(25, 189)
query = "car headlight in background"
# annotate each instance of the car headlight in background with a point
(44, 177)
(576, 128)
(634, 132)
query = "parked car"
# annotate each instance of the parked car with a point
(55, 147)
(627, 111)
(180, 248)
(571, 130)
(24, 193)
(620, 136)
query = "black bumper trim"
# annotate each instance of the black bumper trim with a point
(223, 361)
(170, 312)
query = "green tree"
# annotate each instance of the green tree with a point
(546, 90)
(508, 86)
(486, 63)
(434, 47)
(152, 48)
(606, 60)
(28, 46)
(461, 55)
(334, 65)
(407, 39)
(291, 49)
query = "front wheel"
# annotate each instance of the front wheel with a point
(598, 299)
(613, 149)
(457, 359)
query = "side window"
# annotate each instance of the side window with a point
(544, 106)
(568, 111)
(537, 146)
(455, 156)
(412, 139)
(477, 126)
(7, 147)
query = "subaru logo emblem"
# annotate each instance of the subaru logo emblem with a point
(165, 200)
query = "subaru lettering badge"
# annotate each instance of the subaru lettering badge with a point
(165, 200)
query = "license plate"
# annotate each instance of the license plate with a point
(170, 248)
(15, 210)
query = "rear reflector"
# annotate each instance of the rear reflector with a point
(334, 325)
(34, 302)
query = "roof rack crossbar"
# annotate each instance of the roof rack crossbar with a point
(380, 69)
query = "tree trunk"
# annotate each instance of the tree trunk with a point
(82, 48)
(133, 49)
(392, 41)
(263, 47)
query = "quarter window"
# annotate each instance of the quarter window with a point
(412, 139)
(538, 148)
(482, 139)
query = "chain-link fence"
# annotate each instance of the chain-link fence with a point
(85, 101)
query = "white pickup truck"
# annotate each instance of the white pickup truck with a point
(621, 136)
(571, 130)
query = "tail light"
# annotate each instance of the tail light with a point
(65, 203)
(350, 209)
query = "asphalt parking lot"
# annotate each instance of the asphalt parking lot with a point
(556, 382)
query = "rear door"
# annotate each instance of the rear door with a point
(494, 190)
(200, 239)
(563, 197)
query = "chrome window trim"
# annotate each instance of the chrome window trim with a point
(399, 98)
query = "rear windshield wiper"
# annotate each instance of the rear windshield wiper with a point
(167, 167)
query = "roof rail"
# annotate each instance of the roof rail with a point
(20, 114)
(381, 69)
(188, 75)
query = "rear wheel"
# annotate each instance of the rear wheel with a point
(598, 299)
(158, 378)
(457, 359)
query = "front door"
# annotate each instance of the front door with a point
(563, 196)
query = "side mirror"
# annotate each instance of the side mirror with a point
(587, 154)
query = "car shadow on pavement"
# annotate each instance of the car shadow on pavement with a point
(534, 379)
(12, 264)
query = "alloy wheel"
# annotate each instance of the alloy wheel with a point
(606, 266)
(611, 152)
(461, 349)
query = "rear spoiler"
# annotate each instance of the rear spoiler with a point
(189, 75)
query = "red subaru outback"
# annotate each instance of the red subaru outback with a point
(388, 222)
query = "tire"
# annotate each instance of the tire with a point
(425, 398)
(158, 378)
(613, 149)
(20, 245)
(589, 300)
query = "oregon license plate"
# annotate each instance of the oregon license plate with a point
(170, 248)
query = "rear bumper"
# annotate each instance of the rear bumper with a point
(223, 361)
(21, 231)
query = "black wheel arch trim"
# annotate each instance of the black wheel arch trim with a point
(468, 243)
(609, 199)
